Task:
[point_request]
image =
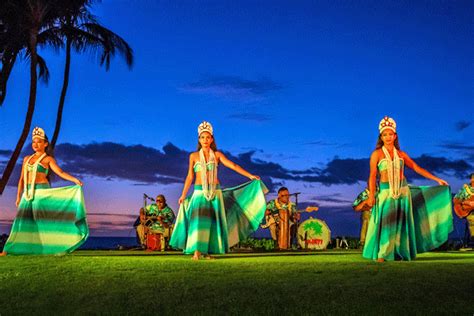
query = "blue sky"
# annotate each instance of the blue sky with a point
(295, 89)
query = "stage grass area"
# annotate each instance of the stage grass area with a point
(329, 282)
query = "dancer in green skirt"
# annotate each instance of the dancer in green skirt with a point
(404, 221)
(213, 220)
(49, 221)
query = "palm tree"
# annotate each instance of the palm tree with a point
(82, 32)
(27, 19)
(13, 41)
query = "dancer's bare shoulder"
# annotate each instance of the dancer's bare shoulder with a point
(48, 160)
(194, 156)
(403, 154)
(219, 156)
(377, 154)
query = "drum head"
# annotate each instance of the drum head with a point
(314, 234)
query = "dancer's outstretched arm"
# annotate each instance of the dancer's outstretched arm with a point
(423, 172)
(66, 176)
(231, 165)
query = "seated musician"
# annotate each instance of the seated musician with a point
(279, 216)
(361, 205)
(156, 218)
(464, 206)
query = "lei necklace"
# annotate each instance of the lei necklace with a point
(30, 193)
(208, 178)
(393, 170)
(280, 207)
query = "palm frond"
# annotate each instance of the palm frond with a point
(51, 37)
(112, 43)
(43, 71)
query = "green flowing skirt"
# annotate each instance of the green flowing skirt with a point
(418, 221)
(53, 222)
(212, 227)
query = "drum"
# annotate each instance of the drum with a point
(464, 208)
(314, 234)
(154, 242)
(284, 230)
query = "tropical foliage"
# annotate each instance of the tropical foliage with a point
(26, 25)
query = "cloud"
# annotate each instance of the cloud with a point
(344, 171)
(116, 161)
(332, 198)
(458, 168)
(257, 117)
(6, 153)
(108, 224)
(129, 216)
(323, 143)
(351, 171)
(232, 87)
(463, 149)
(5, 222)
(462, 125)
(146, 165)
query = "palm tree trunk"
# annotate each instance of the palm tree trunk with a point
(62, 98)
(29, 114)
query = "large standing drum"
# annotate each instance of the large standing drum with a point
(314, 234)
(153, 242)
(284, 230)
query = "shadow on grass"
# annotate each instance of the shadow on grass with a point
(127, 253)
(459, 257)
(283, 254)
(232, 255)
(445, 258)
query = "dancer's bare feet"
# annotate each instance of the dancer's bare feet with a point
(380, 260)
(3, 254)
(208, 257)
(197, 255)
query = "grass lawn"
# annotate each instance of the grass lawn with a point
(329, 282)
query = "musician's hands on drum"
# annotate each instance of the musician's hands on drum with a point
(467, 205)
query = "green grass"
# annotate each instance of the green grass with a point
(330, 282)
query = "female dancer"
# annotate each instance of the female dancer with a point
(204, 226)
(404, 221)
(49, 221)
